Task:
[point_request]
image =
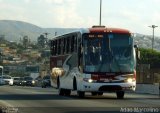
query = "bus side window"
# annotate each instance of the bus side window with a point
(55, 49)
(75, 44)
(59, 46)
(72, 44)
(52, 47)
(64, 45)
(68, 44)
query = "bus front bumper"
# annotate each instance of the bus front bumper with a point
(108, 87)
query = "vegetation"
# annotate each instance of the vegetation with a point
(18, 74)
(149, 56)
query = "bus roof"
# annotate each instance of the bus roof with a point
(108, 30)
(96, 30)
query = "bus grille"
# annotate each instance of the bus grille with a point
(110, 88)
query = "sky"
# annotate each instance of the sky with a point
(134, 15)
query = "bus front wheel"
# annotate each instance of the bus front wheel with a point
(97, 93)
(120, 94)
(94, 93)
(100, 93)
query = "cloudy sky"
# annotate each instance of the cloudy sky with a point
(135, 15)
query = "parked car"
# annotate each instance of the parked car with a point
(19, 82)
(16, 80)
(28, 81)
(7, 79)
(46, 82)
(2, 82)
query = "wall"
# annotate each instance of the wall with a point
(148, 88)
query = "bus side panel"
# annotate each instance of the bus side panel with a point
(64, 67)
(56, 64)
(70, 66)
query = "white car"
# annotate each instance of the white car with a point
(7, 79)
(2, 82)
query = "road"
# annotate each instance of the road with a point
(46, 100)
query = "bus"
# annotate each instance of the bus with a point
(1, 70)
(95, 60)
(1, 75)
(33, 71)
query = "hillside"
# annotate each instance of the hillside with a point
(145, 41)
(14, 30)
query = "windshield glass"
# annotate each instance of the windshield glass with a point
(16, 78)
(108, 53)
(28, 78)
(47, 77)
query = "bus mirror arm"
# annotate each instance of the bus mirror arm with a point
(136, 46)
(137, 51)
(138, 54)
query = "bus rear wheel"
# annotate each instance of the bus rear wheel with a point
(67, 92)
(74, 84)
(100, 93)
(61, 92)
(81, 94)
(120, 94)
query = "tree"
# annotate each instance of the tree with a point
(149, 56)
(42, 41)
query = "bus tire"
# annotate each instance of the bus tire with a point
(58, 83)
(61, 92)
(120, 94)
(74, 84)
(100, 93)
(67, 92)
(81, 94)
(94, 93)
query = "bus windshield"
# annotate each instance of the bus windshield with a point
(108, 53)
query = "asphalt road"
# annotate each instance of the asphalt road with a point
(17, 99)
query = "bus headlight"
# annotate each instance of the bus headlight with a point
(130, 80)
(88, 80)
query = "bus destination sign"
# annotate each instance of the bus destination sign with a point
(95, 36)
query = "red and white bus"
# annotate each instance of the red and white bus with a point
(95, 60)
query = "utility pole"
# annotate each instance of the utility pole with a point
(100, 12)
(46, 34)
(153, 27)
